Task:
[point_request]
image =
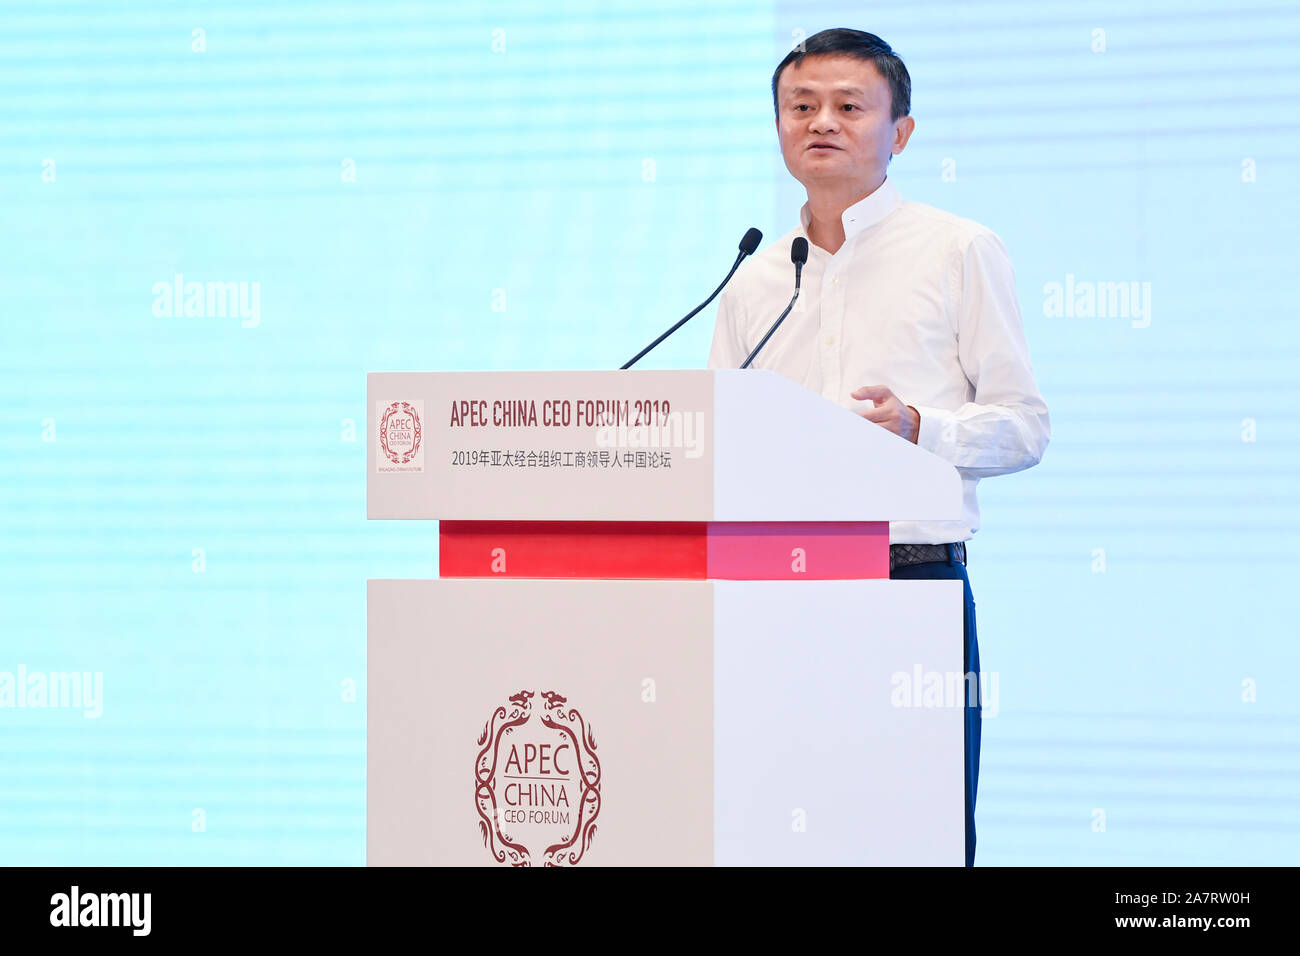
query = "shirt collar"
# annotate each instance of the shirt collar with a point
(863, 214)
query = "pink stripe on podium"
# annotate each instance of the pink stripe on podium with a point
(785, 551)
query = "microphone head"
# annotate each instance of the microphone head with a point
(799, 251)
(751, 241)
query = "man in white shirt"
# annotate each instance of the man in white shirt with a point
(908, 315)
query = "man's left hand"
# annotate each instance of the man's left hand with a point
(889, 411)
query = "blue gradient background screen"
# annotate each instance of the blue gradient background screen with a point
(514, 186)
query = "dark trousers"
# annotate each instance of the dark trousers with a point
(953, 570)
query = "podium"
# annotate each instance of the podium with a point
(663, 632)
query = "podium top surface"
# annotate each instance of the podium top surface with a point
(637, 445)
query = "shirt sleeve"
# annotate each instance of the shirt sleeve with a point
(1006, 427)
(728, 349)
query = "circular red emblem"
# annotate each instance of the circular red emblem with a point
(400, 432)
(537, 782)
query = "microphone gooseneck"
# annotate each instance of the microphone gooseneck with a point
(799, 256)
(747, 246)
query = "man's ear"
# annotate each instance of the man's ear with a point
(902, 133)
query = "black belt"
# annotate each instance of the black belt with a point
(901, 555)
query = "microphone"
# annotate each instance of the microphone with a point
(798, 255)
(747, 246)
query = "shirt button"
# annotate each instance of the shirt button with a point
(830, 340)
(835, 281)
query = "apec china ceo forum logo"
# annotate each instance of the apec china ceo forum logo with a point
(401, 430)
(537, 782)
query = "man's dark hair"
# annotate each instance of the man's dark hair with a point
(863, 46)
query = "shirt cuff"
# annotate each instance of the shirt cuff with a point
(934, 422)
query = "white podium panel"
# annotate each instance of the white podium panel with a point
(637, 446)
(590, 722)
(828, 749)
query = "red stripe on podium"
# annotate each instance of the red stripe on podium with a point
(573, 549)
(672, 550)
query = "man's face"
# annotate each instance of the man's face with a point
(833, 120)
